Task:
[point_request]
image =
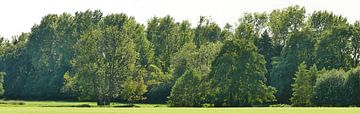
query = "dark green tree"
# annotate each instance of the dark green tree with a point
(355, 44)
(352, 87)
(299, 48)
(329, 89)
(237, 76)
(266, 48)
(333, 48)
(207, 31)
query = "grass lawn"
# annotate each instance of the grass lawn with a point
(51, 107)
(69, 110)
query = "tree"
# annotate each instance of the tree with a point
(314, 75)
(186, 91)
(299, 48)
(251, 26)
(107, 57)
(352, 86)
(266, 48)
(355, 44)
(301, 87)
(2, 91)
(168, 37)
(329, 89)
(284, 22)
(237, 76)
(333, 50)
(191, 58)
(320, 21)
(227, 33)
(207, 31)
(16, 62)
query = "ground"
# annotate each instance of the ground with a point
(51, 107)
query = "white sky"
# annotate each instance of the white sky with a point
(20, 15)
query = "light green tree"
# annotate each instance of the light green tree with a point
(301, 87)
(186, 90)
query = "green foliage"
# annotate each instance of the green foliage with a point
(251, 26)
(207, 31)
(191, 58)
(299, 48)
(284, 22)
(91, 57)
(2, 74)
(168, 37)
(238, 76)
(186, 90)
(352, 86)
(302, 88)
(355, 44)
(266, 48)
(106, 59)
(319, 21)
(333, 48)
(329, 89)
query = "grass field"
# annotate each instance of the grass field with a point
(51, 107)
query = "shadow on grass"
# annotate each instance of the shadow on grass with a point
(81, 105)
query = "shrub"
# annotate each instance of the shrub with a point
(185, 92)
(329, 89)
(352, 85)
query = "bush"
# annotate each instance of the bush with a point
(186, 91)
(329, 89)
(352, 85)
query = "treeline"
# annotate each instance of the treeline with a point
(282, 57)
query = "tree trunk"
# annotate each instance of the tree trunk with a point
(107, 101)
(100, 102)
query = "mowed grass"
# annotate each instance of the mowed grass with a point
(56, 107)
(268, 110)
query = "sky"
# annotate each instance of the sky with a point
(19, 16)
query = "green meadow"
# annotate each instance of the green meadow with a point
(62, 107)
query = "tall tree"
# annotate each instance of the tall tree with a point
(320, 21)
(284, 22)
(301, 88)
(251, 26)
(333, 48)
(168, 37)
(207, 31)
(238, 76)
(266, 48)
(106, 57)
(299, 48)
(355, 44)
